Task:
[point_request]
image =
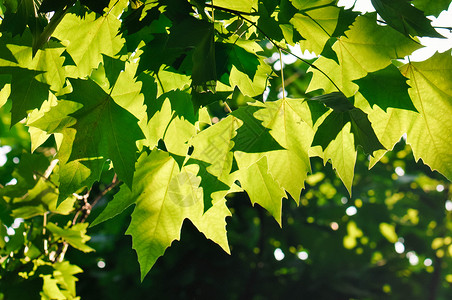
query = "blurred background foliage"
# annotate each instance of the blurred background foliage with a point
(390, 240)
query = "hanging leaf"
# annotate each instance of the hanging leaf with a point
(386, 88)
(405, 18)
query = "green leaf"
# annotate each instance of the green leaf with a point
(104, 129)
(229, 55)
(288, 166)
(88, 38)
(209, 183)
(366, 47)
(96, 5)
(27, 93)
(342, 153)
(316, 26)
(361, 128)
(73, 235)
(261, 187)
(250, 86)
(252, 137)
(50, 289)
(386, 88)
(405, 18)
(164, 197)
(214, 145)
(238, 5)
(155, 163)
(432, 7)
(336, 100)
(430, 133)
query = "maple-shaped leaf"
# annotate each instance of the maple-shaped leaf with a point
(344, 112)
(261, 186)
(430, 132)
(290, 164)
(405, 18)
(165, 196)
(386, 88)
(104, 129)
(431, 7)
(88, 38)
(214, 145)
(96, 5)
(342, 153)
(316, 25)
(366, 47)
(75, 174)
(252, 137)
(209, 183)
(27, 93)
(229, 55)
(251, 87)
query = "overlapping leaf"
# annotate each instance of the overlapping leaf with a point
(165, 196)
(367, 47)
(88, 37)
(404, 17)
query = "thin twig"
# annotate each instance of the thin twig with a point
(289, 52)
(232, 11)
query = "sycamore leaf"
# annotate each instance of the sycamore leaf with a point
(336, 100)
(88, 38)
(430, 132)
(260, 186)
(316, 26)
(342, 153)
(104, 129)
(165, 196)
(386, 88)
(155, 163)
(27, 93)
(39, 200)
(366, 47)
(177, 136)
(361, 128)
(50, 289)
(229, 55)
(404, 17)
(73, 235)
(431, 7)
(75, 174)
(209, 183)
(250, 86)
(252, 137)
(96, 5)
(344, 112)
(214, 144)
(288, 166)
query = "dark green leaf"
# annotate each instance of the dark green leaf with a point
(386, 88)
(405, 18)
(104, 129)
(252, 137)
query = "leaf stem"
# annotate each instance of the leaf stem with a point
(226, 105)
(282, 74)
